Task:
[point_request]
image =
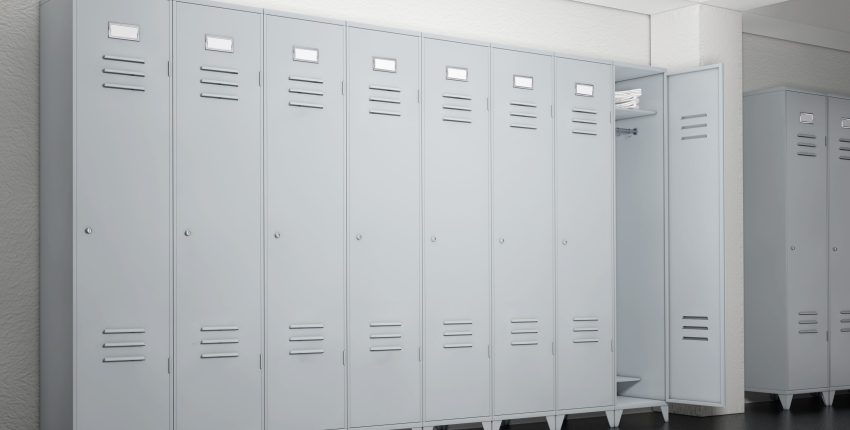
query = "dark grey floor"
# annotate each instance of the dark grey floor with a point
(805, 414)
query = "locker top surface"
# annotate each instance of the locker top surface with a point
(222, 5)
(787, 89)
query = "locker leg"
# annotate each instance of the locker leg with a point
(487, 425)
(496, 424)
(785, 399)
(665, 413)
(550, 420)
(559, 421)
(827, 397)
(614, 418)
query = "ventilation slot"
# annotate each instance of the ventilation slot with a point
(383, 88)
(220, 83)
(523, 342)
(456, 96)
(585, 111)
(806, 154)
(306, 92)
(123, 87)
(305, 326)
(457, 322)
(217, 342)
(697, 136)
(585, 340)
(123, 359)
(528, 335)
(384, 100)
(457, 345)
(807, 313)
(308, 80)
(307, 105)
(381, 337)
(124, 59)
(806, 145)
(844, 157)
(699, 115)
(384, 348)
(123, 344)
(523, 115)
(584, 121)
(219, 70)
(116, 345)
(458, 333)
(306, 351)
(526, 127)
(300, 338)
(844, 148)
(697, 338)
(460, 108)
(219, 96)
(385, 336)
(584, 132)
(690, 127)
(585, 326)
(524, 104)
(220, 355)
(806, 136)
(453, 119)
(809, 331)
(124, 73)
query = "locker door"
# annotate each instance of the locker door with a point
(384, 228)
(807, 242)
(305, 67)
(584, 168)
(456, 148)
(523, 218)
(218, 242)
(123, 212)
(839, 241)
(695, 237)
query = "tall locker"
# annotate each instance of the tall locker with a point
(456, 272)
(384, 228)
(218, 217)
(839, 242)
(786, 243)
(122, 230)
(695, 237)
(305, 233)
(584, 195)
(523, 228)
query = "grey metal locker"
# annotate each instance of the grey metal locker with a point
(839, 242)
(695, 237)
(523, 228)
(123, 211)
(383, 228)
(584, 196)
(806, 241)
(305, 233)
(218, 217)
(456, 267)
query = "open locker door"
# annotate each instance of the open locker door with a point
(695, 319)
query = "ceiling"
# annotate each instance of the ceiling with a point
(827, 14)
(650, 7)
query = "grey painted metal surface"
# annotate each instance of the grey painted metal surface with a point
(584, 171)
(218, 218)
(305, 232)
(122, 217)
(523, 228)
(839, 241)
(456, 230)
(695, 220)
(806, 241)
(384, 228)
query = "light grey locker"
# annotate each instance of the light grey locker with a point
(523, 228)
(384, 228)
(806, 241)
(218, 217)
(456, 271)
(123, 211)
(584, 195)
(695, 231)
(305, 234)
(839, 242)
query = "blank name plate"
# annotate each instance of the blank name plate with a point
(123, 31)
(524, 82)
(219, 43)
(307, 55)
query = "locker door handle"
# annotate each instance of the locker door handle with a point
(220, 355)
(123, 359)
(306, 351)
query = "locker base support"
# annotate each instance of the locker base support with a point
(827, 397)
(614, 417)
(559, 421)
(785, 400)
(665, 412)
(496, 424)
(550, 420)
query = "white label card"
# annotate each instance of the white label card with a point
(457, 73)
(308, 55)
(807, 118)
(219, 43)
(123, 31)
(524, 82)
(585, 90)
(845, 122)
(384, 64)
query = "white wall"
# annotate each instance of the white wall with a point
(557, 25)
(772, 62)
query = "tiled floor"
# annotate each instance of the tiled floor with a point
(805, 414)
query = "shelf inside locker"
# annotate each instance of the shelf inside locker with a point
(624, 379)
(625, 402)
(633, 113)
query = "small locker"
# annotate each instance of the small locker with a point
(305, 232)
(106, 210)
(384, 228)
(838, 152)
(584, 196)
(786, 245)
(523, 229)
(218, 217)
(456, 265)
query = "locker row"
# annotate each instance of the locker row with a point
(275, 221)
(797, 165)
